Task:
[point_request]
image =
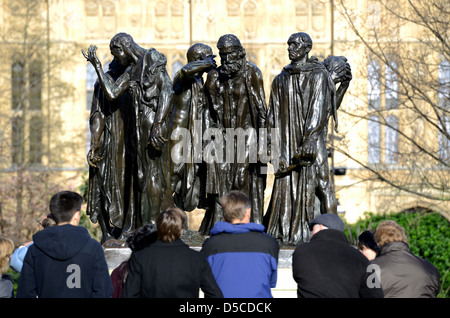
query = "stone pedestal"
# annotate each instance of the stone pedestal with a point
(115, 256)
(286, 286)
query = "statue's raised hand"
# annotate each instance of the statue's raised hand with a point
(91, 56)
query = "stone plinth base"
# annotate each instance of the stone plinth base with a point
(286, 286)
(115, 256)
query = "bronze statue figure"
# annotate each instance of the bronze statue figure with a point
(303, 97)
(190, 120)
(145, 79)
(155, 143)
(237, 107)
(110, 192)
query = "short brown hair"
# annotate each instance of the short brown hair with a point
(389, 231)
(234, 205)
(170, 224)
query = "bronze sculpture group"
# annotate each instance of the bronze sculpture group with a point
(156, 143)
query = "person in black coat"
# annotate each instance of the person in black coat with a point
(328, 267)
(168, 268)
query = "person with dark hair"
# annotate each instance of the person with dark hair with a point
(137, 240)
(169, 268)
(64, 261)
(243, 258)
(367, 245)
(328, 267)
(403, 274)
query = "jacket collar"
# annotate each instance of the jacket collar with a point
(330, 234)
(175, 243)
(393, 247)
(225, 227)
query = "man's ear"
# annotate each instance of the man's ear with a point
(248, 213)
(76, 218)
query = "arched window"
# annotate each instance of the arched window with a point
(17, 104)
(391, 139)
(444, 104)
(444, 141)
(391, 91)
(26, 104)
(35, 85)
(17, 85)
(374, 136)
(374, 85)
(35, 145)
(444, 84)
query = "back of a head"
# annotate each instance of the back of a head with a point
(389, 231)
(63, 205)
(142, 237)
(234, 205)
(367, 239)
(170, 224)
(49, 221)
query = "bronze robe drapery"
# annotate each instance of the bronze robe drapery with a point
(111, 199)
(230, 110)
(152, 102)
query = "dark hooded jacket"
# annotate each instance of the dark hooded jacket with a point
(65, 262)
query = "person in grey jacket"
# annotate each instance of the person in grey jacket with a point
(403, 274)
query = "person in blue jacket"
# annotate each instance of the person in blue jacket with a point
(243, 258)
(64, 261)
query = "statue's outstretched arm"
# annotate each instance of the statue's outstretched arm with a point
(111, 89)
